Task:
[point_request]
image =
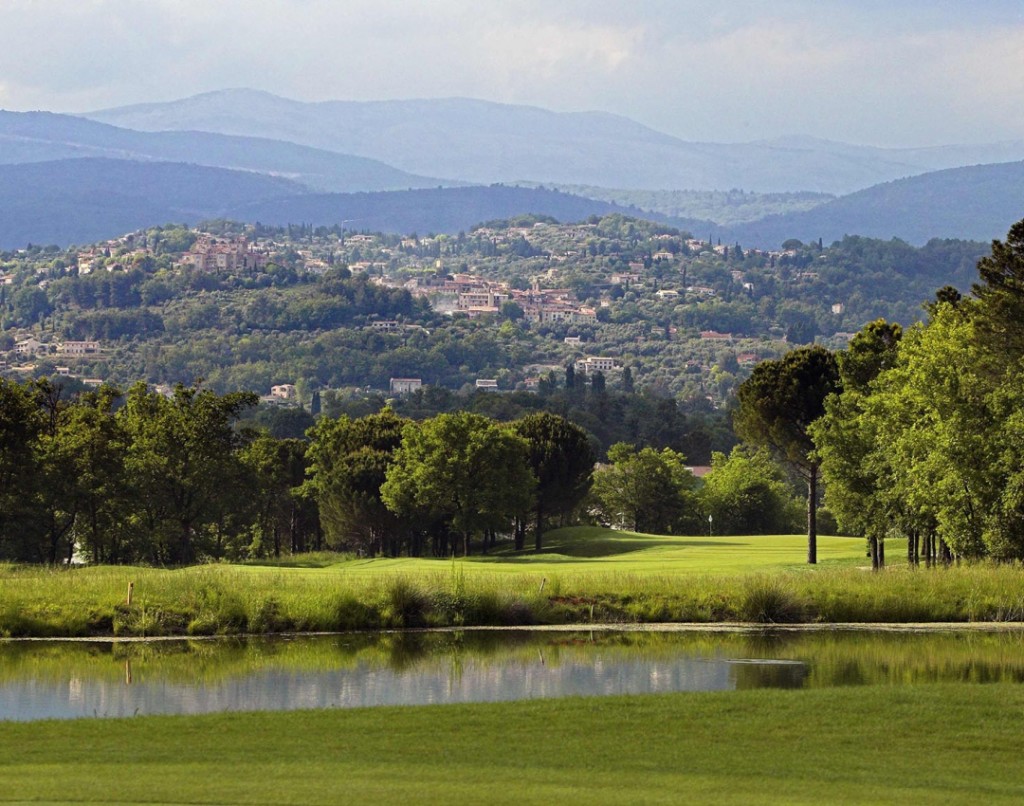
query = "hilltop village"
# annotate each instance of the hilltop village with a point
(289, 312)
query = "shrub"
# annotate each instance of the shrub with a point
(267, 616)
(217, 611)
(404, 605)
(767, 601)
(350, 613)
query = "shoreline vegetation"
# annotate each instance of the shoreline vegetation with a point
(624, 579)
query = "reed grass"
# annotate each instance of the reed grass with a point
(226, 599)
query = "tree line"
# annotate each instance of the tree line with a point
(916, 433)
(144, 478)
(141, 477)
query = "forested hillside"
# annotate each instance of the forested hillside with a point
(510, 301)
(83, 200)
(979, 202)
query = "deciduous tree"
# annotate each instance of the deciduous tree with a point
(646, 490)
(464, 469)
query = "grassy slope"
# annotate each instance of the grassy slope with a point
(590, 575)
(590, 550)
(923, 744)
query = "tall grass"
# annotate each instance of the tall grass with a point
(228, 599)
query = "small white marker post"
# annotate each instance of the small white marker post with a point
(711, 532)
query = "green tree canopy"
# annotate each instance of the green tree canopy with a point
(183, 461)
(349, 460)
(562, 461)
(778, 403)
(646, 490)
(746, 493)
(21, 423)
(462, 469)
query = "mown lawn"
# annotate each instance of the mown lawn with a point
(914, 744)
(588, 550)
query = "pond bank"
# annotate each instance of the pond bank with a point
(227, 600)
(737, 628)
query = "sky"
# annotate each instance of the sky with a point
(896, 73)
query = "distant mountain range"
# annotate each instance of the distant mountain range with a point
(446, 210)
(67, 179)
(43, 136)
(979, 203)
(482, 142)
(89, 199)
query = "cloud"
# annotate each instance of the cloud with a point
(895, 72)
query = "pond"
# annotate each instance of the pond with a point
(65, 680)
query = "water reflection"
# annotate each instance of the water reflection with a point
(69, 680)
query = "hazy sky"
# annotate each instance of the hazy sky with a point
(902, 72)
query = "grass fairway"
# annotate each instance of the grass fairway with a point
(917, 744)
(593, 550)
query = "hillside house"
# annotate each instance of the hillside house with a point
(591, 364)
(29, 346)
(405, 386)
(78, 348)
(385, 325)
(482, 299)
(224, 254)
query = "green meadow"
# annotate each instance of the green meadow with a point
(586, 575)
(874, 744)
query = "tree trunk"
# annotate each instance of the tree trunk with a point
(873, 550)
(98, 554)
(812, 515)
(186, 543)
(881, 553)
(520, 534)
(538, 531)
